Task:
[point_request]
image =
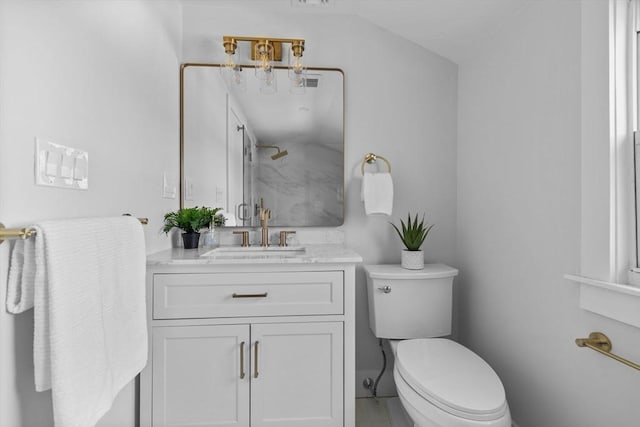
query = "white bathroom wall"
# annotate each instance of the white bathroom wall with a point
(400, 103)
(519, 224)
(99, 76)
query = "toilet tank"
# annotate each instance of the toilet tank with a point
(410, 303)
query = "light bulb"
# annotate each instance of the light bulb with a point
(264, 51)
(230, 46)
(297, 64)
(297, 72)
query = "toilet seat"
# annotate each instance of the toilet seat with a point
(451, 377)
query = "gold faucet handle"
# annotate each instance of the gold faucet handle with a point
(265, 214)
(283, 237)
(245, 238)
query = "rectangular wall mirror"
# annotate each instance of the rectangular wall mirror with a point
(241, 149)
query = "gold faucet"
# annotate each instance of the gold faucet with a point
(245, 238)
(283, 238)
(265, 216)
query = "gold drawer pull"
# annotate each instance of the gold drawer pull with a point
(242, 360)
(263, 295)
(255, 361)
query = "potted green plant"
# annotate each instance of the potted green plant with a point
(191, 221)
(413, 235)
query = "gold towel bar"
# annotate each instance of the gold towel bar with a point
(371, 158)
(25, 233)
(602, 344)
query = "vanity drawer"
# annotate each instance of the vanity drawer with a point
(180, 296)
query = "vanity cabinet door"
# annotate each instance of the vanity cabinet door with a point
(297, 376)
(197, 376)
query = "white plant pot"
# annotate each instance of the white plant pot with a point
(412, 260)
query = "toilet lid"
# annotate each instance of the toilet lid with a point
(451, 377)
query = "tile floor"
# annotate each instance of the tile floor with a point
(382, 412)
(372, 412)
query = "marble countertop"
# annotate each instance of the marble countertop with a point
(317, 253)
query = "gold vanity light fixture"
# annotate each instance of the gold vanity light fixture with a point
(265, 51)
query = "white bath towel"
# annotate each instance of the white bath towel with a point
(85, 279)
(377, 193)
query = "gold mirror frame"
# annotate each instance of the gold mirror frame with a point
(182, 186)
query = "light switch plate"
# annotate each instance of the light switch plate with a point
(61, 166)
(188, 189)
(219, 194)
(169, 187)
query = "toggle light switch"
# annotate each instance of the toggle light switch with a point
(52, 160)
(66, 170)
(80, 168)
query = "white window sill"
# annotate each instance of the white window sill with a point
(613, 300)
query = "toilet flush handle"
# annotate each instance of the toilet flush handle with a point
(386, 289)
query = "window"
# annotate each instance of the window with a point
(610, 220)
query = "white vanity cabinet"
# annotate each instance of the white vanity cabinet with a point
(195, 376)
(250, 345)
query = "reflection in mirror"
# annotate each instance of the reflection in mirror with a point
(242, 149)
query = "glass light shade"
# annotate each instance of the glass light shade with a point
(234, 77)
(229, 45)
(229, 62)
(269, 84)
(295, 66)
(239, 79)
(297, 81)
(263, 54)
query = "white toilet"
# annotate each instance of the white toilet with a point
(440, 383)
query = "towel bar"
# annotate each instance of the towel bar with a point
(371, 158)
(25, 233)
(602, 344)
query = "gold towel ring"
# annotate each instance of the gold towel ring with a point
(371, 158)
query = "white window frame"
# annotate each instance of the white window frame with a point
(608, 282)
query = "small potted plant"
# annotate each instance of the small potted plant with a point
(191, 221)
(412, 235)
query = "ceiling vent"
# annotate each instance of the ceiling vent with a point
(311, 82)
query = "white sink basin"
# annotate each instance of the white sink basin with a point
(236, 252)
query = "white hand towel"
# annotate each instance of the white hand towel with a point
(377, 193)
(22, 270)
(85, 279)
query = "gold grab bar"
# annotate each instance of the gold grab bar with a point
(602, 344)
(371, 158)
(25, 233)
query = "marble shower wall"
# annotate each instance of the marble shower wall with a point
(304, 187)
